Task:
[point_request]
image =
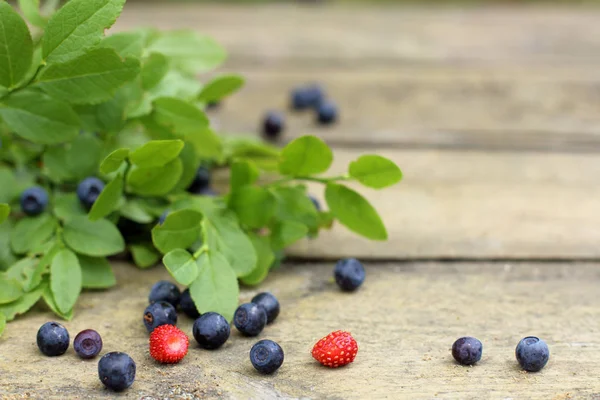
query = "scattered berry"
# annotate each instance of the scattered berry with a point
(157, 314)
(327, 113)
(336, 349)
(165, 291)
(87, 343)
(266, 356)
(269, 303)
(349, 274)
(532, 354)
(187, 305)
(53, 339)
(211, 330)
(250, 319)
(88, 191)
(315, 202)
(168, 344)
(201, 181)
(116, 371)
(34, 201)
(467, 350)
(307, 97)
(273, 125)
(162, 217)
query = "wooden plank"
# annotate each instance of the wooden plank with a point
(330, 35)
(468, 204)
(405, 319)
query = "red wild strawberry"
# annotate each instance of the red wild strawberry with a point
(168, 344)
(336, 349)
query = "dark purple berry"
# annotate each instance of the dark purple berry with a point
(53, 339)
(165, 291)
(34, 201)
(87, 343)
(467, 350)
(269, 303)
(187, 305)
(116, 371)
(349, 274)
(211, 330)
(266, 356)
(201, 180)
(273, 125)
(327, 113)
(157, 314)
(307, 97)
(250, 319)
(532, 354)
(88, 191)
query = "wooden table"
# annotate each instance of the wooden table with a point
(493, 115)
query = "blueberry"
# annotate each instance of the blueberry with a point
(201, 180)
(163, 217)
(207, 192)
(307, 97)
(532, 353)
(53, 339)
(187, 305)
(349, 274)
(327, 113)
(467, 350)
(88, 191)
(273, 125)
(157, 314)
(87, 343)
(116, 371)
(211, 330)
(34, 200)
(250, 319)
(165, 291)
(269, 303)
(315, 202)
(266, 356)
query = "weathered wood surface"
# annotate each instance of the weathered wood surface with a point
(405, 319)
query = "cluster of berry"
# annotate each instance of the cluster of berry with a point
(35, 199)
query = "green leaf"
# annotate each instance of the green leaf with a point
(23, 304)
(221, 87)
(155, 181)
(78, 26)
(83, 155)
(156, 153)
(154, 70)
(180, 116)
(2, 323)
(190, 163)
(206, 143)
(4, 212)
(92, 238)
(144, 255)
(96, 273)
(265, 258)
(293, 204)
(32, 231)
(113, 161)
(181, 265)
(135, 211)
(7, 257)
(375, 171)
(189, 51)
(22, 271)
(8, 185)
(92, 78)
(354, 212)
(16, 47)
(65, 279)
(108, 199)
(305, 156)
(243, 173)
(39, 118)
(179, 230)
(68, 205)
(253, 205)
(216, 288)
(126, 44)
(286, 233)
(223, 234)
(10, 290)
(51, 303)
(31, 11)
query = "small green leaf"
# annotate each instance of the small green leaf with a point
(156, 153)
(144, 255)
(83, 155)
(96, 273)
(65, 279)
(10, 290)
(305, 156)
(286, 233)
(39, 118)
(16, 46)
(221, 87)
(92, 238)
(253, 205)
(154, 70)
(67, 205)
(31, 11)
(179, 230)
(354, 212)
(126, 44)
(51, 303)
(23, 304)
(293, 204)
(181, 265)
(134, 210)
(206, 143)
(4, 212)
(78, 26)
(32, 231)
(92, 78)
(190, 163)
(22, 272)
(155, 181)
(265, 260)
(113, 161)
(180, 116)
(216, 287)
(2, 323)
(243, 173)
(108, 199)
(375, 171)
